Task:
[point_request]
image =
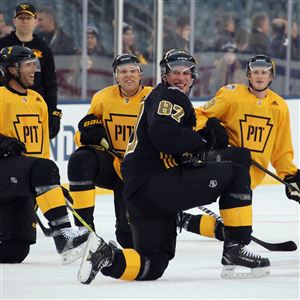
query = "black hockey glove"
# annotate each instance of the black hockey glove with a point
(294, 180)
(10, 147)
(219, 138)
(54, 122)
(91, 129)
(210, 139)
(193, 160)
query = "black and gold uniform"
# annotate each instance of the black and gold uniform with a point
(45, 81)
(260, 125)
(158, 184)
(24, 116)
(157, 187)
(117, 113)
(27, 173)
(90, 166)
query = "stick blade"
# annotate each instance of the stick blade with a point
(284, 246)
(287, 246)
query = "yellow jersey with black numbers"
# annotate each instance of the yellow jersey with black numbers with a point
(25, 117)
(261, 125)
(117, 113)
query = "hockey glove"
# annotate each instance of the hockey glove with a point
(54, 122)
(218, 132)
(210, 139)
(91, 129)
(11, 147)
(294, 180)
(193, 160)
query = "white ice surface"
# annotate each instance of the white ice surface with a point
(194, 273)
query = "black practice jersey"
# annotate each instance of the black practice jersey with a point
(164, 130)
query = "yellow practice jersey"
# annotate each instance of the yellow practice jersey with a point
(25, 117)
(261, 125)
(117, 113)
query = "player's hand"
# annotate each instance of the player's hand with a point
(193, 160)
(54, 122)
(218, 132)
(91, 130)
(294, 180)
(11, 147)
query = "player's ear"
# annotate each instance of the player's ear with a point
(116, 78)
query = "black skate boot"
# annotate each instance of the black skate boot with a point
(183, 220)
(70, 243)
(239, 262)
(97, 255)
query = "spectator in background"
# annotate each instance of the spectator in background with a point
(226, 32)
(279, 42)
(241, 39)
(54, 36)
(95, 53)
(2, 23)
(280, 39)
(94, 45)
(228, 69)
(179, 39)
(295, 42)
(5, 29)
(229, 32)
(129, 43)
(259, 40)
(45, 81)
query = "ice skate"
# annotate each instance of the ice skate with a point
(182, 220)
(70, 243)
(239, 262)
(98, 254)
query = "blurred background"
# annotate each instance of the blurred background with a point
(222, 35)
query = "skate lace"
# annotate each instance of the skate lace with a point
(70, 233)
(248, 253)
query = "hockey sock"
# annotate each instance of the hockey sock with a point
(84, 204)
(51, 202)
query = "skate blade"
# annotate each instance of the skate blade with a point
(72, 255)
(239, 272)
(85, 274)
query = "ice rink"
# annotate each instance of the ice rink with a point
(194, 273)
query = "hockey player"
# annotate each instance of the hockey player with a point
(161, 178)
(112, 116)
(25, 169)
(45, 82)
(257, 118)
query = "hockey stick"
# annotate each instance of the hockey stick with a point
(284, 246)
(290, 186)
(104, 144)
